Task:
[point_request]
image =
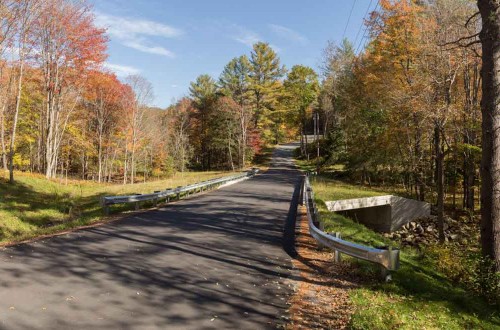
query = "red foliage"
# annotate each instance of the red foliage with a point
(67, 38)
(255, 141)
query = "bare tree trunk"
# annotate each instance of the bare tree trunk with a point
(125, 164)
(469, 172)
(4, 109)
(145, 168)
(455, 173)
(230, 154)
(84, 166)
(419, 172)
(40, 144)
(67, 167)
(2, 138)
(105, 165)
(472, 81)
(16, 117)
(132, 163)
(111, 166)
(99, 156)
(49, 145)
(490, 108)
(243, 146)
(439, 180)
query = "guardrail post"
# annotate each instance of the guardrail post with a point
(104, 206)
(137, 206)
(167, 197)
(321, 225)
(385, 272)
(155, 201)
(337, 256)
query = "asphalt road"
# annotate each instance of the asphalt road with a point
(212, 261)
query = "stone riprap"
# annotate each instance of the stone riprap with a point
(382, 213)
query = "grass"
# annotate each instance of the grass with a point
(419, 297)
(34, 206)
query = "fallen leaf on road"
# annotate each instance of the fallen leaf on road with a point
(321, 299)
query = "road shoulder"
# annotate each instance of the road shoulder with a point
(321, 297)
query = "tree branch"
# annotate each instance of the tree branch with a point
(459, 40)
(471, 18)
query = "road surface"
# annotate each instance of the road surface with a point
(211, 261)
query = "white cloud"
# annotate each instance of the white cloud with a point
(133, 33)
(123, 27)
(249, 38)
(121, 70)
(245, 36)
(288, 34)
(158, 50)
(275, 48)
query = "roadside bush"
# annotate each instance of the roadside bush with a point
(467, 268)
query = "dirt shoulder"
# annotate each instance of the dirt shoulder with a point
(321, 298)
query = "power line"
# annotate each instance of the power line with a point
(366, 30)
(362, 23)
(349, 19)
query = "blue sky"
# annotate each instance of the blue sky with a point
(171, 42)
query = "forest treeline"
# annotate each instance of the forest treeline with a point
(406, 109)
(62, 113)
(418, 106)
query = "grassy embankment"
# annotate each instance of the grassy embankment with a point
(34, 206)
(419, 297)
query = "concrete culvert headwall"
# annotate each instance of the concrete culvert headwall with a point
(382, 213)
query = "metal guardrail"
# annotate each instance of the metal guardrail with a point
(107, 201)
(388, 259)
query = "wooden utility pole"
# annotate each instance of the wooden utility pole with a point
(316, 136)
